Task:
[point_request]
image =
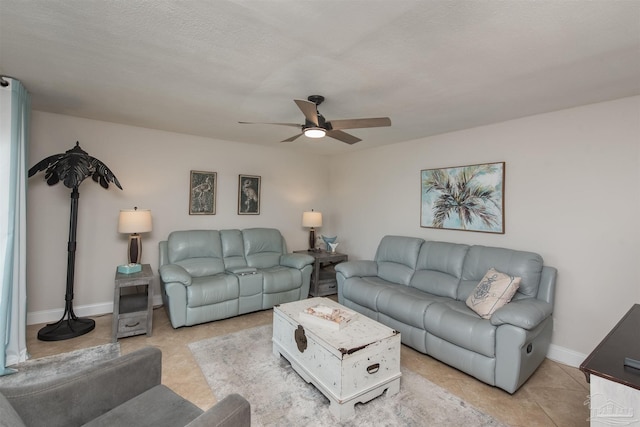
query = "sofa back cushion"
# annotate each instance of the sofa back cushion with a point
(232, 248)
(439, 268)
(397, 257)
(197, 251)
(480, 259)
(263, 247)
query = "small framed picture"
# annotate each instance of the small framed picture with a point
(202, 193)
(248, 195)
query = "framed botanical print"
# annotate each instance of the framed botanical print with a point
(248, 195)
(469, 198)
(202, 193)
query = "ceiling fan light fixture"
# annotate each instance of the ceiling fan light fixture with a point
(314, 132)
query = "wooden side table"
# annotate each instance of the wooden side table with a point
(133, 312)
(323, 277)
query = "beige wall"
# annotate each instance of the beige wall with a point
(153, 168)
(571, 194)
(572, 180)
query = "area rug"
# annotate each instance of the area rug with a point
(34, 371)
(244, 363)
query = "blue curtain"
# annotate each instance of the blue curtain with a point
(15, 108)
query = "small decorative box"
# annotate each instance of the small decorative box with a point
(129, 268)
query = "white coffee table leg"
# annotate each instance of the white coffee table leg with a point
(342, 411)
(394, 387)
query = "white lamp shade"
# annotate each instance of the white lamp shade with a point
(312, 219)
(134, 221)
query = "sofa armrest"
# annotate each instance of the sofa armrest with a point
(175, 273)
(232, 411)
(298, 261)
(526, 313)
(82, 396)
(359, 268)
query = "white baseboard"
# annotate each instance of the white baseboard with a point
(48, 316)
(565, 356)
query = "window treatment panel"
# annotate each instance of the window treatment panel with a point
(15, 108)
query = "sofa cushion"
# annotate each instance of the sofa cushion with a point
(494, 291)
(194, 244)
(202, 267)
(364, 291)
(157, 407)
(526, 265)
(199, 252)
(212, 290)
(280, 279)
(263, 247)
(232, 248)
(396, 258)
(405, 304)
(439, 268)
(456, 323)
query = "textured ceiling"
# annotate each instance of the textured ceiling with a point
(199, 67)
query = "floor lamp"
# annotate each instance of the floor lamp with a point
(72, 167)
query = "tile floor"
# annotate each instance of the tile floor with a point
(554, 396)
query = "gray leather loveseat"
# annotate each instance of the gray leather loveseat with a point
(209, 275)
(124, 391)
(420, 289)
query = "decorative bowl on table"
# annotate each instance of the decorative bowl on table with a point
(327, 241)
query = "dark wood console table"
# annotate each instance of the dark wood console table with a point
(607, 360)
(614, 397)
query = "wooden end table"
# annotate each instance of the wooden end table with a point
(323, 277)
(133, 312)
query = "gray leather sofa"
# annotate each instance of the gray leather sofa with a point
(209, 275)
(124, 391)
(419, 288)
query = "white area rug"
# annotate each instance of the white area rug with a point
(244, 363)
(38, 370)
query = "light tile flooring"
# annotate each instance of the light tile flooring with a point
(554, 396)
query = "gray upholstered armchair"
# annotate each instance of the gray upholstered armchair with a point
(124, 391)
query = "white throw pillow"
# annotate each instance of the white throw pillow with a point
(494, 291)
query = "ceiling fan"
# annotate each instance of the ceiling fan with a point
(316, 126)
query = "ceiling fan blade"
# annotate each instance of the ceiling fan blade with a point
(373, 122)
(343, 136)
(293, 138)
(263, 123)
(309, 109)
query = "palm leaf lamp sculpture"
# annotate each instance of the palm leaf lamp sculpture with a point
(72, 167)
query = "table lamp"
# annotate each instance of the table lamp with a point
(312, 219)
(135, 221)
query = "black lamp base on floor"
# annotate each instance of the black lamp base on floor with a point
(65, 329)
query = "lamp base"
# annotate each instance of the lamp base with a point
(65, 329)
(135, 248)
(312, 239)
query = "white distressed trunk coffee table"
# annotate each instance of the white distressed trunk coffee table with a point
(350, 365)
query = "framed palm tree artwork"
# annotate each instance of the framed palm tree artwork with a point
(469, 198)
